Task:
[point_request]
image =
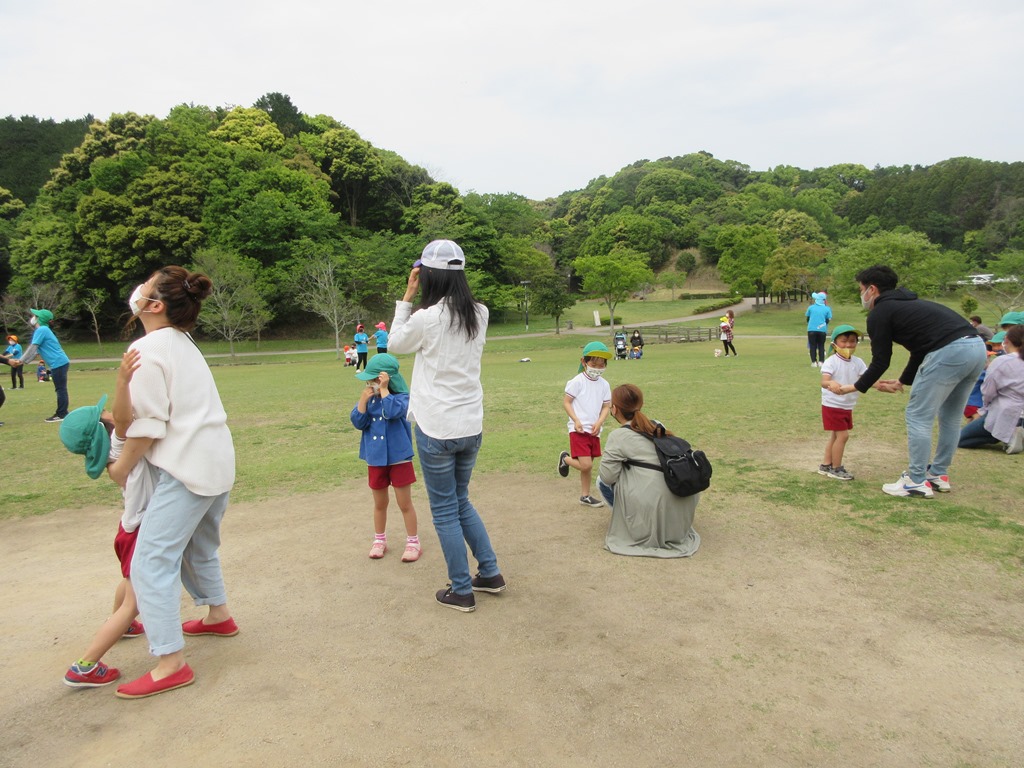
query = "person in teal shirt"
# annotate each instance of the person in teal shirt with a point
(381, 337)
(45, 343)
(361, 340)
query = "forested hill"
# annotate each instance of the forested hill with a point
(271, 197)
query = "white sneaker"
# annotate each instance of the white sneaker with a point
(1016, 444)
(938, 483)
(907, 487)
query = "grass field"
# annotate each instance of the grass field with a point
(757, 416)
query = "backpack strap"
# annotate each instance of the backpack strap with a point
(646, 465)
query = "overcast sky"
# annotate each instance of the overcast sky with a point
(538, 98)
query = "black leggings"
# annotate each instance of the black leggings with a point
(816, 345)
(727, 345)
(361, 361)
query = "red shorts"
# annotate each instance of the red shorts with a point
(836, 419)
(584, 444)
(398, 475)
(970, 410)
(124, 548)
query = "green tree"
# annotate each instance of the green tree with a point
(795, 267)
(613, 277)
(250, 128)
(236, 309)
(283, 113)
(745, 250)
(551, 296)
(922, 266)
(318, 288)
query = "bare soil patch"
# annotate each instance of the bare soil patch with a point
(778, 644)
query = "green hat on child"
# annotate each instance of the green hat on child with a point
(840, 330)
(83, 433)
(595, 349)
(383, 362)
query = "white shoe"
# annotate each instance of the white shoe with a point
(907, 487)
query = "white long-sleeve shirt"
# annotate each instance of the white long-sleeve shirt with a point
(446, 398)
(176, 403)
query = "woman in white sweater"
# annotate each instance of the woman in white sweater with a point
(180, 427)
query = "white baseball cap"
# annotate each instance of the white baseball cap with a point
(442, 254)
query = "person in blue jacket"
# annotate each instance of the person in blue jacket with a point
(818, 316)
(361, 340)
(45, 343)
(386, 447)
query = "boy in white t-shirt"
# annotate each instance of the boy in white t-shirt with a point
(842, 367)
(588, 400)
(100, 435)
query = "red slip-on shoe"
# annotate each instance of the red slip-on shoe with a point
(147, 686)
(226, 628)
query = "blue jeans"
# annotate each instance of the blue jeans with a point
(177, 545)
(940, 391)
(60, 383)
(974, 434)
(447, 466)
(607, 491)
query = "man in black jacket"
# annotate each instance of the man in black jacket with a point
(946, 356)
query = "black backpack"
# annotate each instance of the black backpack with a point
(686, 471)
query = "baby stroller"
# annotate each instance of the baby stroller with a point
(621, 350)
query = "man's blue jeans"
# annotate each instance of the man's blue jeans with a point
(940, 391)
(447, 466)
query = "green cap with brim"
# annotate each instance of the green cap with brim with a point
(83, 433)
(998, 338)
(383, 362)
(43, 316)
(1012, 318)
(840, 330)
(595, 349)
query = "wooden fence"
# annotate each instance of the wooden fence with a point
(664, 334)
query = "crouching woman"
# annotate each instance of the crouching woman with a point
(648, 520)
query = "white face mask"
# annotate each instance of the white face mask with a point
(593, 373)
(375, 386)
(866, 303)
(135, 298)
(33, 322)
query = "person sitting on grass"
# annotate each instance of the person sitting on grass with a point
(587, 400)
(999, 420)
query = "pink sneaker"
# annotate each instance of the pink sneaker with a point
(378, 549)
(412, 553)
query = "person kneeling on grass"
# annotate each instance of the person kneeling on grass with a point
(648, 520)
(587, 401)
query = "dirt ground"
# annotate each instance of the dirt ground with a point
(778, 644)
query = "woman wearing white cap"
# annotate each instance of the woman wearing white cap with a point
(446, 402)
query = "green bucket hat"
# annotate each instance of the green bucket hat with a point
(43, 316)
(840, 330)
(83, 433)
(595, 349)
(388, 364)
